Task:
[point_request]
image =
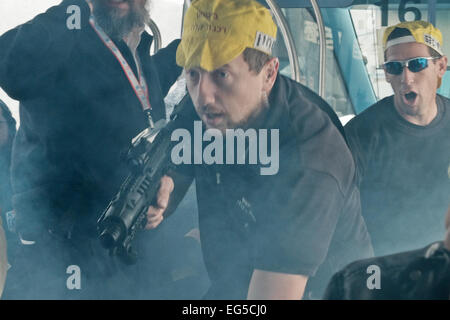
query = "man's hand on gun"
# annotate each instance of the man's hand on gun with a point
(155, 213)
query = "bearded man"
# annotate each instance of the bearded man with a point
(84, 94)
(265, 235)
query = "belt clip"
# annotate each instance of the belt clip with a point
(150, 119)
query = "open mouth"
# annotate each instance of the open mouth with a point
(213, 118)
(410, 97)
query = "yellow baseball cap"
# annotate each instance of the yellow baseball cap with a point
(421, 32)
(217, 31)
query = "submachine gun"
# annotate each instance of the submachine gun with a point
(149, 160)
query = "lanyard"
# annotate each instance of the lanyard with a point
(140, 87)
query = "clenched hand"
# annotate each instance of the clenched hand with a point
(155, 213)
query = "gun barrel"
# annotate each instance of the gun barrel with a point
(110, 236)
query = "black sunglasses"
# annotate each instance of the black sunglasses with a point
(414, 65)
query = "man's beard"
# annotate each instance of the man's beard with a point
(255, 119)
(115, 25)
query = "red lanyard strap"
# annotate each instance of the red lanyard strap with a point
(139, 87)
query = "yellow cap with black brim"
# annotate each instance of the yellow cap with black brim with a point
(217, 31)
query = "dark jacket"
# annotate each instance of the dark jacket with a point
(419, 274)
(7, 133)
(305, 219)
(78, 114)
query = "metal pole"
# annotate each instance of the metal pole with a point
(432, 12)
(289, 41)
(156, 35)
(322, 48)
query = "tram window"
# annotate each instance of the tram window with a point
(306, 38)
(168, 16)
(443, 23)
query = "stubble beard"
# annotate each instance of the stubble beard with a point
(115, 25)
(254, 120)
(257, 117)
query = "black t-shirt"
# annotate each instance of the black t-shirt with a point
(305, 216)
(404, 172)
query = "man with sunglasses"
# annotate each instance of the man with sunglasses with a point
(402, 143)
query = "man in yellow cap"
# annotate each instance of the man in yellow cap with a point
(402, 143)
(275, 236)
